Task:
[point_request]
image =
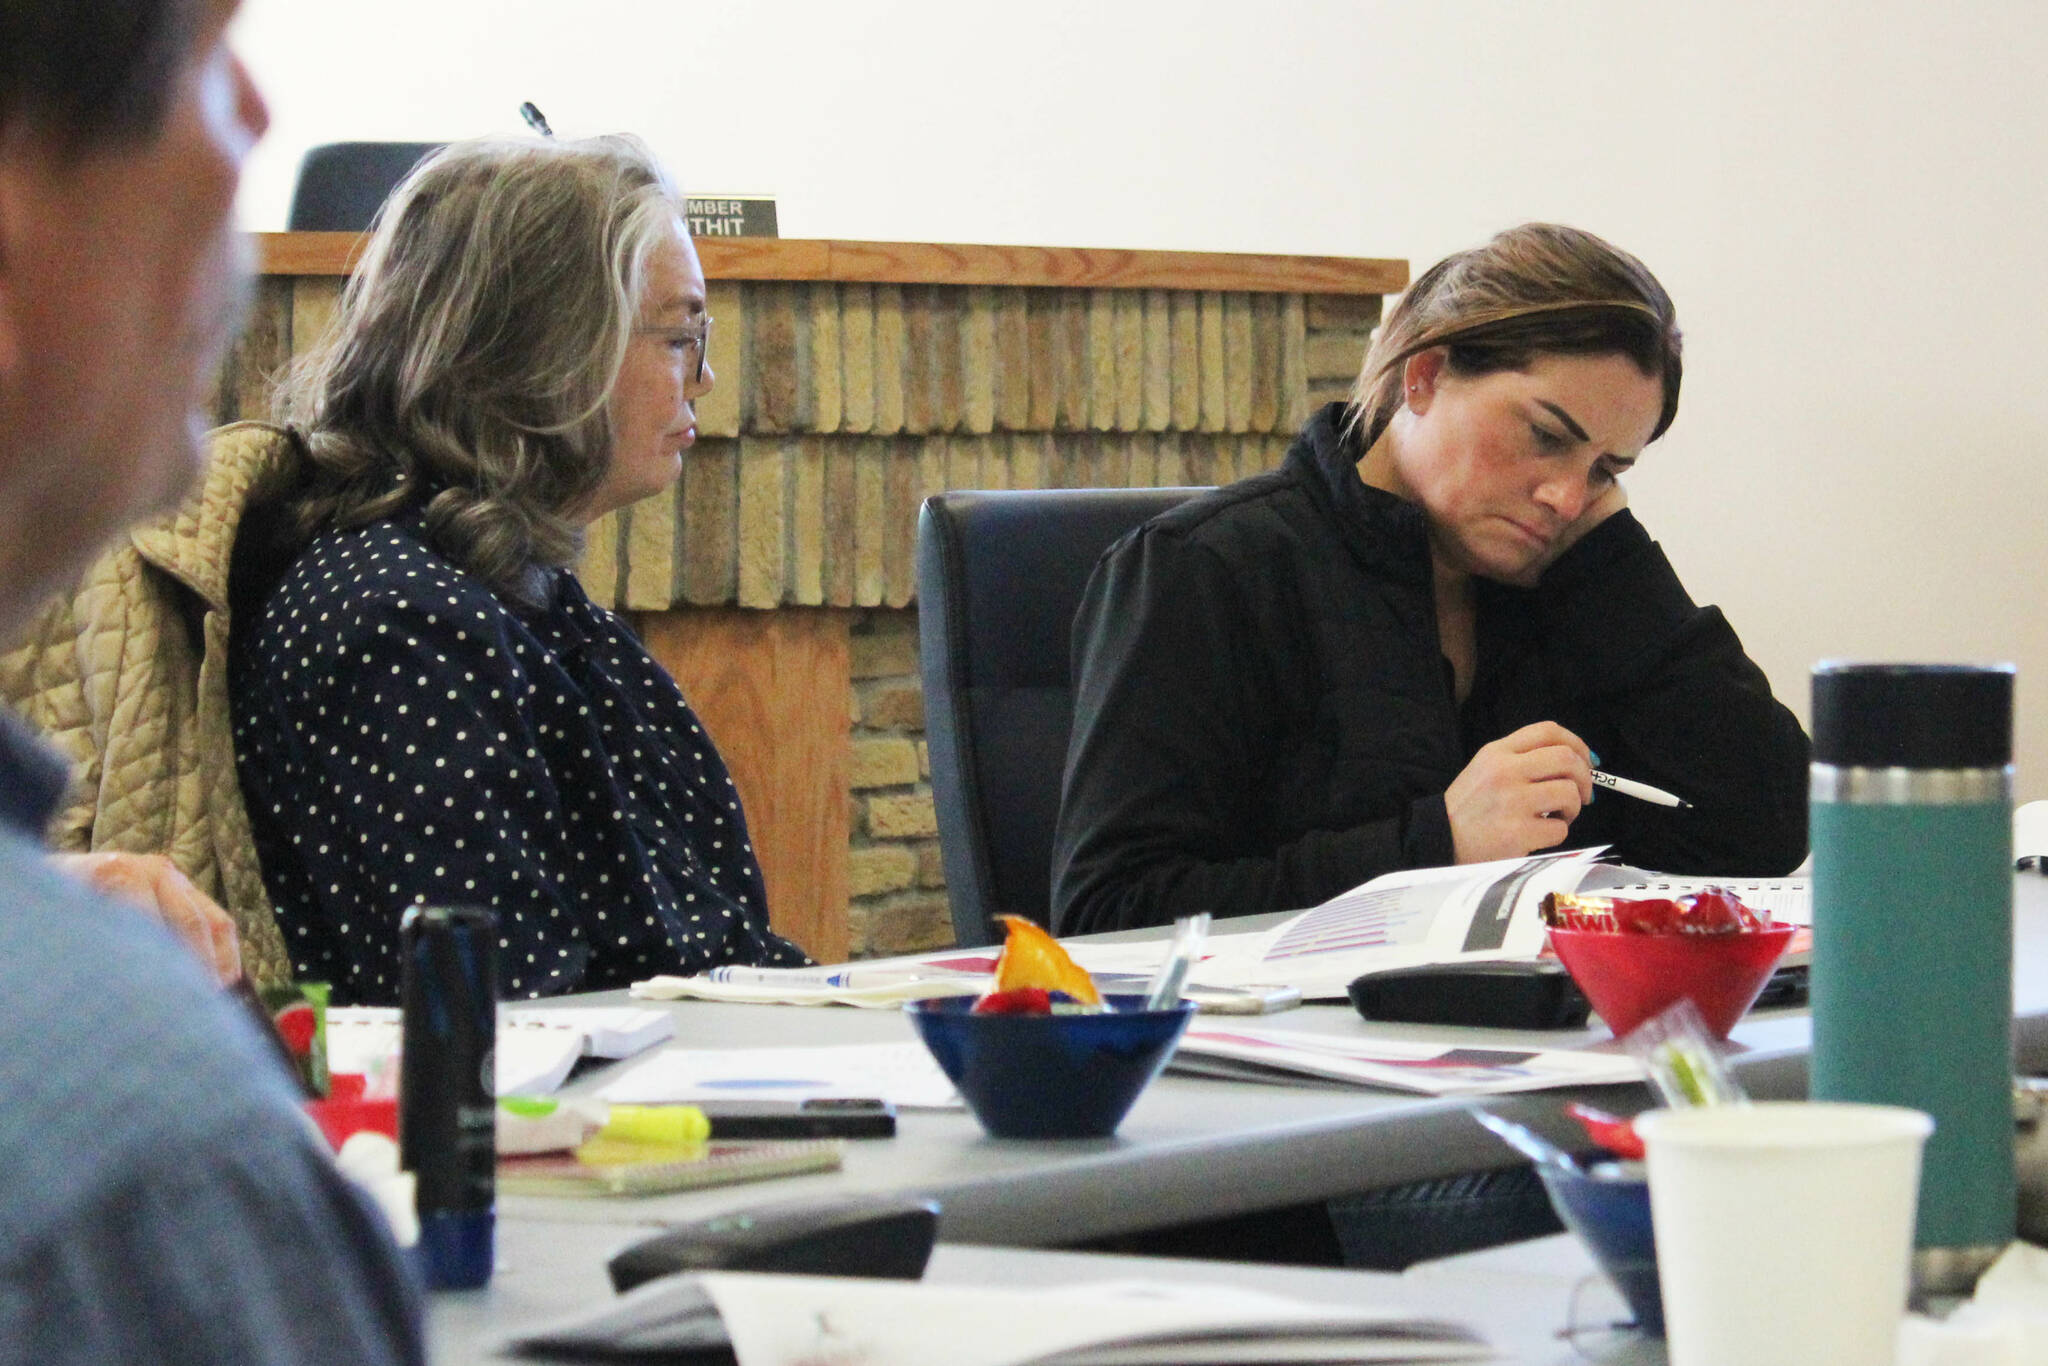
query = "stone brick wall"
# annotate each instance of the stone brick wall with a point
(897, 901)
(841, 406)
(896, 884)
(1339, 326)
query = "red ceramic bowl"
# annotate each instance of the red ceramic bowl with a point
(1630, 977)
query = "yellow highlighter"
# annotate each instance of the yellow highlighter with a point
(663, 1124)
(532, 1125)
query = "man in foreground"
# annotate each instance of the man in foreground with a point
(164, 1201)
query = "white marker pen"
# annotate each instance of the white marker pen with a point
(1642, 792)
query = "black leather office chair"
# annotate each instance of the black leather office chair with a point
(341, 184)
(998, 578)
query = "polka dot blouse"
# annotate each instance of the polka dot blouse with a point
(404, 738)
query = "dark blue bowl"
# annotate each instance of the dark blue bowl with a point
(1050, 1076)
(1609, 1208)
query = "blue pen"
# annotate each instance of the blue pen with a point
(1188, 934)
(812, 979)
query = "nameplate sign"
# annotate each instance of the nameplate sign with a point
(731, 216)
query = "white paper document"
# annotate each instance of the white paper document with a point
(781, 1321)
(1471, 912)
(1405, 919)
(537, 1048)
(877, 983)
(804, 1320)
(875, 995)
(886, 983)
(1251, 1053)
(2030, 835)
(903, 1073)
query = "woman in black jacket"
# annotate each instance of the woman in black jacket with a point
(1412, 643)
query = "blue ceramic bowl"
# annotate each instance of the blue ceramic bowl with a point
(1609, 1208)
(1050, 1076)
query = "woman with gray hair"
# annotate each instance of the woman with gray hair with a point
(428, 709)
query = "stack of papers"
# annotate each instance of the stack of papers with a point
(1249, 1053)
(765, 1320)
(2003, 1323)
(1425, 916)
(1406, 919)
(902, 1073)
(537, 1047)
(878, 988)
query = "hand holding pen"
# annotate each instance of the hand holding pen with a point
(1522, 792)
(1519, 794)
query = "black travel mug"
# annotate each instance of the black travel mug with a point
(447, 1112)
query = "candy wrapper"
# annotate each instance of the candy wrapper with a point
(298, 1012)
(1712, 911)
(1683, 1060)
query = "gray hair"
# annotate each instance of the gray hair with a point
(471, 367)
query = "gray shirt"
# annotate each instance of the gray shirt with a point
(161, 1199)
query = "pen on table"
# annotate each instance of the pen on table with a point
(1188, 934)
(1642, 792)
(827, 979)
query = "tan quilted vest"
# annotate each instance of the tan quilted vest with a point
(117, 679)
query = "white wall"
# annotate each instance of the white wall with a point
(1846, 200)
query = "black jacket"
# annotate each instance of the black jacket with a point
(1263, 716)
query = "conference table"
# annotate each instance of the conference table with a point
(1540, 1303)
(1192, 1149)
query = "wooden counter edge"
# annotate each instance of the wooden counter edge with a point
(767, 258)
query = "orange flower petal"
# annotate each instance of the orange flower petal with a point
(1033, 958)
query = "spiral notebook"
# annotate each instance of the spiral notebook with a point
(636, 1169)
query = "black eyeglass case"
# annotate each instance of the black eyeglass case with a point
(1492, 994)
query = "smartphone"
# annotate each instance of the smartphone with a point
(1252, 1000)
(823, 1117)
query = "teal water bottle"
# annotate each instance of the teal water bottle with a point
(1912, 932)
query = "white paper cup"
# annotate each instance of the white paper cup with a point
(1784, 1230)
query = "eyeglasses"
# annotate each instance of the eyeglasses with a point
(697, 338)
